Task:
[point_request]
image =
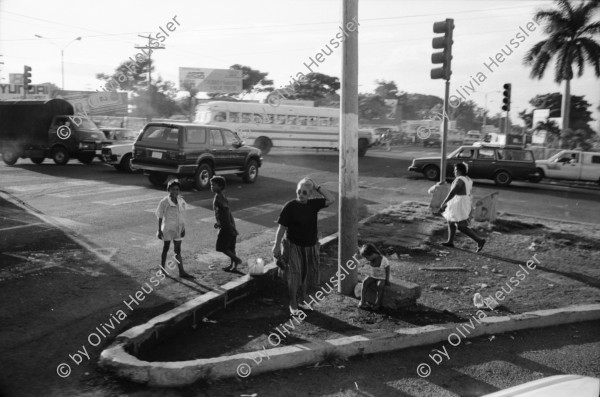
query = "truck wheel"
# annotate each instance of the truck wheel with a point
(157, 180)
(363, 145)
(203, 175)
(10, 156)
(60, 156)
(502, 178)
(126, 164)
(87, 159)
(251, 172)
(264, 144)
(432, 172)
(37, 160)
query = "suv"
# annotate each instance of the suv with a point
(501, 164)
(193, 151)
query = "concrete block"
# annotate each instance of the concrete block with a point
(398, 294)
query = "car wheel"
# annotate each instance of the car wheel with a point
(87, 159)
(264, 144)
(203, 175)
(538, 178)
(157, 180)
(432, 172)
(10, 156)
(251, 172)
(502, 178)
(37, 160)
(118, 167)
(126, 164)
(363, 145)
(60, 156)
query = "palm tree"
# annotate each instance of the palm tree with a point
(570, 38)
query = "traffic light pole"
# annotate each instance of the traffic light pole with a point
(444, 161)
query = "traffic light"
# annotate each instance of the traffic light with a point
(506, 100)
(444, 42)
(26, 78)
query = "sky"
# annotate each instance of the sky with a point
(280, 36)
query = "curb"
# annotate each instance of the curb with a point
(547, 219)
(187, 372)
(117, 356)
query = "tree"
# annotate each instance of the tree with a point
(313, 86)
(579, 115)
(156, 100)
(570, 39)
(371, 107)
(468, 116)
(386, 89)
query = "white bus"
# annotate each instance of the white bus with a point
(265, 126)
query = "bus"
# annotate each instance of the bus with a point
(265, 126)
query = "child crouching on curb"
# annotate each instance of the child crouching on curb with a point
(171, 225)
(379, 276)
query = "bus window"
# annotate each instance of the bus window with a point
(324, 121)
(220, 117)
(280, 119)
(312, 121)
(267, 118)
(335, 122)
(234, 117)
(291, 120)
(301, 120)
(246, 118)
(258, 118)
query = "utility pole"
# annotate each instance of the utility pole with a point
(150, 49)
(348, 162)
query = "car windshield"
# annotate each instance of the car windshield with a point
(128, 135)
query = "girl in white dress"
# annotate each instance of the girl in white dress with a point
(458, 207)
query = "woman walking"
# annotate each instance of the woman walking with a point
(298, 222)
(458, 207)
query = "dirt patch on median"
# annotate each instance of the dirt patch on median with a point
(565, 272)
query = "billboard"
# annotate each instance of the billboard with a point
(11, 92)
(222, 81)
(93, 103)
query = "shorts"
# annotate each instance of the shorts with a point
(226, 241)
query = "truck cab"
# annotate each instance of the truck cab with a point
(47, 129)
(572, 165)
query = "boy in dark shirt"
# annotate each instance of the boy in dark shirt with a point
(225, 222)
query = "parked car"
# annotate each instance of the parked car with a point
(472, 137)
(571, 165)
(193, 151)
(501, 164)
(120, 153)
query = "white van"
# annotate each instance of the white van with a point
(572, 165)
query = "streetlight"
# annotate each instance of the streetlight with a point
(62, 55)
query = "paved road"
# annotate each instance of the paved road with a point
(95, 245)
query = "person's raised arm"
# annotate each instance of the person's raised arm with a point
(327, 195)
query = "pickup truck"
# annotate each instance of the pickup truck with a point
(571, 165)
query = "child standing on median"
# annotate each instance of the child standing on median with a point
(379, 276)
(171, 225)
(225, 222)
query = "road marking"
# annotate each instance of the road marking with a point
(89, 192)
(42, 186)
(21, 226)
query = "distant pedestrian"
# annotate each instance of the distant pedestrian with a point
(458, 207)
(225, 223)
(378, 278)
(171, 225)
(298, 222)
